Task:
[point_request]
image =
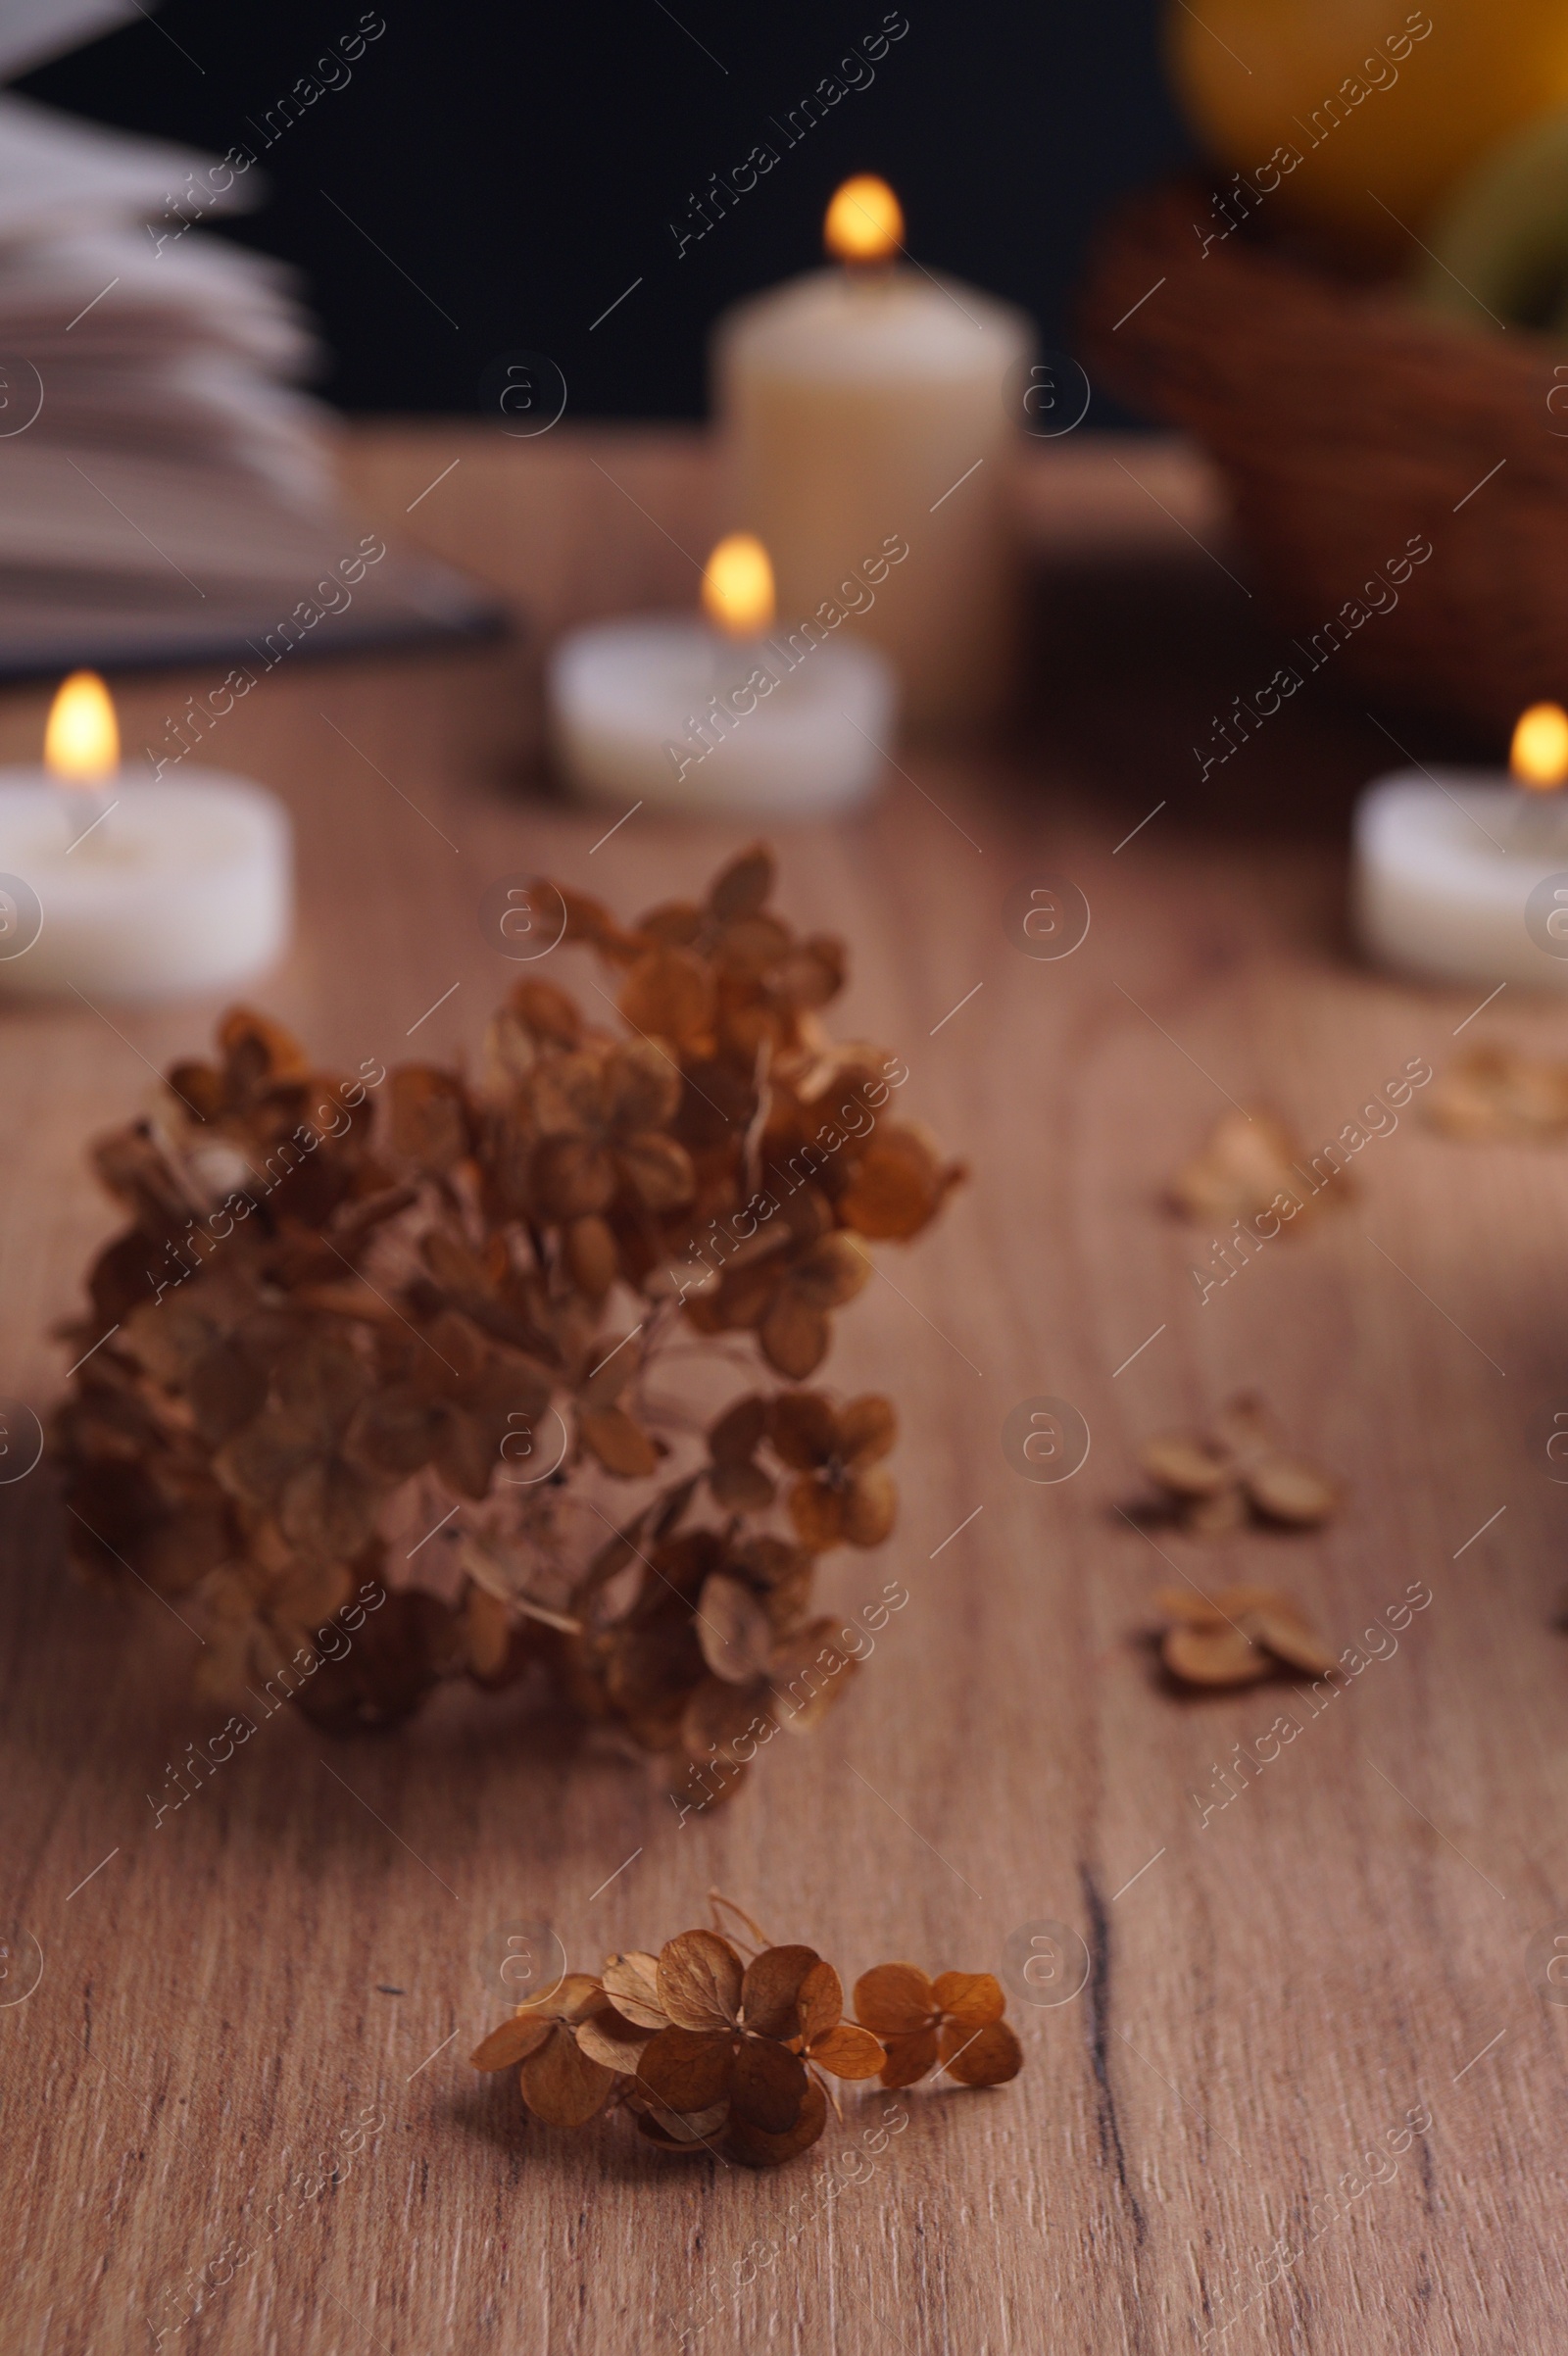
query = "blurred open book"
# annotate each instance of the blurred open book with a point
(165, 490)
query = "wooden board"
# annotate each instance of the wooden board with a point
(1273, 1989)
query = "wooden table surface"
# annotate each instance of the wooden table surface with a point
(1272, 1992)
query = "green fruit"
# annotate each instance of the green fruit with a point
(1499, 246)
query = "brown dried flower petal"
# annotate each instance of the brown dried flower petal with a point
(980, 2057)
(893, 1999)
(770, 1990)
(700, 1977)
(820, 2002)
(621, 1446)
(687, 2069)
(1218, 1516)
(757, 2148)
(1187, 1464)
(631, 1983)
(848, 2052)
(1277, 1627)
(733, 1630)
(563, 2086)
(974, 1999)
(512, 2042)
(1213, 1657)
(1288, 1490)
(767, 2087)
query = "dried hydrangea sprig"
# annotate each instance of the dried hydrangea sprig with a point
(1238, 1636)
(722, 2043)
(488, 1325)
(1494, 1092)
(1215, 1482)
(1253, 1166)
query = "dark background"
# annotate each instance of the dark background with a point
(522, 165)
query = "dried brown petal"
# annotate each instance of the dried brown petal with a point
(870, 1507)
(486, 1632)
(561, 2085)
(1187, 1464)
(745, 886)
(767, 2087)
(770, 1989)
(757, 2148)
(820, 2001)
(794, 1335)
(1288, 1490)
(910, 2057)
(984, 2057)
(848, 2052)
(804, 1429)
(621, 1446)
(894, 2000)
(735, 1437)
(668, 994)
(591, 1255)
(550, 1013)
(810, 1671)
(700, 1977)
(1218, 1516)
(678, 2131)
(897, 1186)
(1281, 1630)
(429, 1116)
(740, 1488)
(868, 1427)
(687, 2069)
(973, 1997)
(512, 2042)
(631, 1983)
(733, 1630)
(1213, 1657)
(606, 2036)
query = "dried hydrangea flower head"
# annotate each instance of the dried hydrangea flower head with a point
(727, 2043)
(1236, 1636)
(537, 1330)
(1493, 1091)
(1252, 1164)
(1217, 1481)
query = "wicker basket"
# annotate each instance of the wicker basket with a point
(1347, 424)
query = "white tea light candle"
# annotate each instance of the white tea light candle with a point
(1463, 875)
(869, 400)
(120, 889)
(727, 715)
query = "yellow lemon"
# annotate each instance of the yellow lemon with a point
(1380, 106)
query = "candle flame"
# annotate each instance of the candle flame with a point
(864, 221)
(81, 743)
(1539, 754)
(738, 587)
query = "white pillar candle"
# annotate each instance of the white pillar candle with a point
(730, 716)
(127, 889)
(869, 404)
(1462, 875)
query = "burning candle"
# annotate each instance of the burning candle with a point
(726, 713)
(132, 889)
(867, 404)
(1463, 875)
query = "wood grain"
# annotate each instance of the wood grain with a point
(1271, 1991)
